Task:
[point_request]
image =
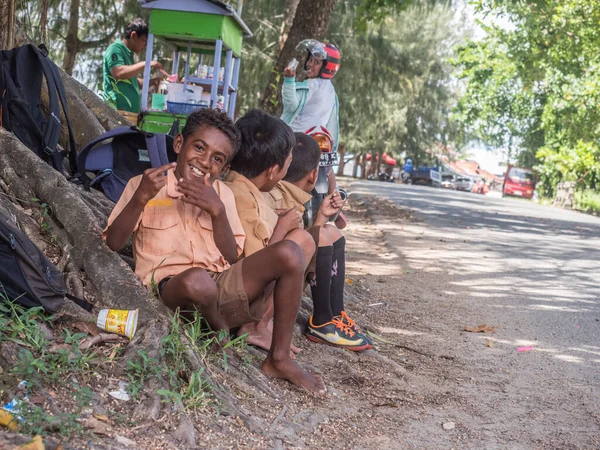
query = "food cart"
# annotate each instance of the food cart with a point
(209, 29)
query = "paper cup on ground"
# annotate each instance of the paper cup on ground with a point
(118, 321)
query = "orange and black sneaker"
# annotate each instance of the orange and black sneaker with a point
(338, 334)
(353, 325)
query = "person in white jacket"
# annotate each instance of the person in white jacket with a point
(314, 102)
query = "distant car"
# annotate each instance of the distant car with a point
(464, 184)
(519, 182)
(448, 182)
(426, 176)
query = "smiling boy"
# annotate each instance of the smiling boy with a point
(187, 237)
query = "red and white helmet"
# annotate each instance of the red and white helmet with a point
(328, 53)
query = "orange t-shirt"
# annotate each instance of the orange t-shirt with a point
(172, 236)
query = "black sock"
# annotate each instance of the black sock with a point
(338, 276)
(320, 286)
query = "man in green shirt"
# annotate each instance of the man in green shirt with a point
(120, 71)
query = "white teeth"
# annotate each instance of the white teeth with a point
(197, 171)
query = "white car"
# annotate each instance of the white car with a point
(464, 184)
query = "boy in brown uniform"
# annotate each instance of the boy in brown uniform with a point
(329, 323)
(263, 160)
(188, 236)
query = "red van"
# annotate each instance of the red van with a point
(519, 182)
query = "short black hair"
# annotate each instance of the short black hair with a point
(266, 141)
(139, 26)
(215, 118)
(305, 158)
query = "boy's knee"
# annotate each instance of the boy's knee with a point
(290, 255)
(334, 233)
(304, 240)
(325, 238)
(199, 286)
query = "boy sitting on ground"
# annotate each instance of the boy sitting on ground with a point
(263, 160)
(187, 237)
(329, 323)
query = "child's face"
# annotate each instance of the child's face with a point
(206, 150)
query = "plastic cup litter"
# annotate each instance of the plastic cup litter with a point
(123, 322)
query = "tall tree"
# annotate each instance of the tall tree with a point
(7, 23)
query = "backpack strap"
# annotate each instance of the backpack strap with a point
(49, 66)
(52, 132)
(157, 149)
(80, 302)
(83, 154)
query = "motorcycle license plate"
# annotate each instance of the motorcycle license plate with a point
(519, 193)
(328, 159)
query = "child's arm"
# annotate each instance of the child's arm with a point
(331, 205)
(288, 221)
(119, 231)
(202, 194)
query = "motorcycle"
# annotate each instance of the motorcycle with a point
(321, 189)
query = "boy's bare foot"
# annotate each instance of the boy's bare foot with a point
(289, 370)
(293, 348)
(261, 336)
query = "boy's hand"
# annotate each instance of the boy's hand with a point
(201, 193)
(153, 181)
(331, 205)
(288, 220)
(289, 72)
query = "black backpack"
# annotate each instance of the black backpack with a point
(121, 154)
(27, 277)
(21, 71)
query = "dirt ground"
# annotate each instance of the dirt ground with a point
(414, 390)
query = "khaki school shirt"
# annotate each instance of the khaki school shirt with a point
(172, 236)
(286, 195)
(257, 218)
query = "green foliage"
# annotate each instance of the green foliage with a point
(185, 335)
(535, 87)
(395, 84)
(588, 200)
(39, 365)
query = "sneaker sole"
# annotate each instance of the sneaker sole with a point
(357, 348)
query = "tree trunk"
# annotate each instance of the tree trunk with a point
(288, 20)
(310, 22)
(7, 23)
(341, 161)
(72, 41)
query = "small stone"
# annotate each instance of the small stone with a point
(448, 426)
(124, 441)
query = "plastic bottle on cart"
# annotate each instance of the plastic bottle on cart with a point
(203, 71)
(221, 73)
(210, 73)
(220, 102)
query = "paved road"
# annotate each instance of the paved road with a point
(533, 272)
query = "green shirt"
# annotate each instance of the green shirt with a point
(124, 93)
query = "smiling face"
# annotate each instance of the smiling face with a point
(313, 66)
(206, 150)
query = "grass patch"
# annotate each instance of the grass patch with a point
(186, 335)
(587, 200)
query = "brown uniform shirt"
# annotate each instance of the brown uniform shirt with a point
(258, 219)
(172, 236)
(286, 195)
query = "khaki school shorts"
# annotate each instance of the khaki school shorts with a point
(233, 301)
